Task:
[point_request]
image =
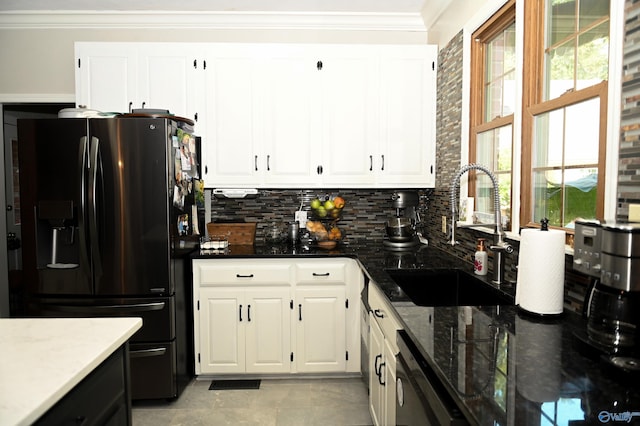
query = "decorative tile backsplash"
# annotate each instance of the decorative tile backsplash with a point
(364, 214)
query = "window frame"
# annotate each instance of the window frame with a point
(533, 104)
(485, 33)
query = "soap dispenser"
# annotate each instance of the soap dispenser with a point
(480, 258)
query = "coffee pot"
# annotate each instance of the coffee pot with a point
(610, 252)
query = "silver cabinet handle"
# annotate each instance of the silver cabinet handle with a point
(144, 353)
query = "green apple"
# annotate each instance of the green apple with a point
(328, 205)
(321, 211)
(315, 204)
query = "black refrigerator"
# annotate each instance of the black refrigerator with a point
(109, 216)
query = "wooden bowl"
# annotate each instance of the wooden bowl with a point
(327, 245)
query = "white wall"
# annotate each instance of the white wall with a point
(41, 61)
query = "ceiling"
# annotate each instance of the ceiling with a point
(307, 6)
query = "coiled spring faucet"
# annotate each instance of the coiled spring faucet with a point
(500, 246)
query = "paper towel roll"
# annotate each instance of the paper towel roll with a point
(540, 285)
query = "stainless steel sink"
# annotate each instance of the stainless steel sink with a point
(446, 287)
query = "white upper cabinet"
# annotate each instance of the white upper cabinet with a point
(288, 110)
(231, 149)
(106, 75)
(119, 77)
(349, 137)
(169, 78)
(282, 115)
(407, 116)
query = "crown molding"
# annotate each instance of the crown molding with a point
(73, 19)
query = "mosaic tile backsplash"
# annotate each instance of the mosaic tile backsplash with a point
(364, 214)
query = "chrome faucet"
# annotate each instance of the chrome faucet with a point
(500, 246)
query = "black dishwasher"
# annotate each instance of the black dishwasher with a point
(420, 397)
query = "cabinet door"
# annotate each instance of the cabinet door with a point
(168, 78)
(106, 76)
(389, 381)
(268, 330)
(222, 331)
(349, 133)
(407, 116)
(321, 337)
(231, 156)
(376, 358)
(289, 111)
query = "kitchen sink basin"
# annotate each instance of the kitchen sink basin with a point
(446, 287)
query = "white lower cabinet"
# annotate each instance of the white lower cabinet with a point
(383, 350)
(320, 329)
(273, 316)
(376, 389)
(248, 330)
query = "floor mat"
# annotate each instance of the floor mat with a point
(234, 384)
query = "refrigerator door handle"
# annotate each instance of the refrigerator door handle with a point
(143, 353)
(103, 309)
(82, 226)
(93, 213)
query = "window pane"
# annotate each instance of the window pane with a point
(548, 139)
(582, 136)
(495, 58)
(592, 10)
(509, 94)
(561, 20)
(500, 75)
(510, 48)
(593, 56)
(484, 198)
(494, 151)
(547, 197)
(504, 189)
(484, 150)
(504, 136)
(580, 194)
(560, 70)
(565, 163)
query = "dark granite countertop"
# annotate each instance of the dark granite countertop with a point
(502, 367)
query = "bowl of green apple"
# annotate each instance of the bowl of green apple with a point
(330, 209)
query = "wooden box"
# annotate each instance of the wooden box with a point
(238, 234)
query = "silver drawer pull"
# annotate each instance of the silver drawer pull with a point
(147, 352)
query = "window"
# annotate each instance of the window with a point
(493, 102)
(565, 110)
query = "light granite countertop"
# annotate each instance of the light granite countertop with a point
(41, 359)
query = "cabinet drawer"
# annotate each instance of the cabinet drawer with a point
(238, 271)
(321, 272)
(384, 315)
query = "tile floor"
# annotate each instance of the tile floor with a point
(278, 402)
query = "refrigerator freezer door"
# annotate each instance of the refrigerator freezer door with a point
(129, 202)
(51, 155)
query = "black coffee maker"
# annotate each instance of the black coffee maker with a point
(610, 252)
